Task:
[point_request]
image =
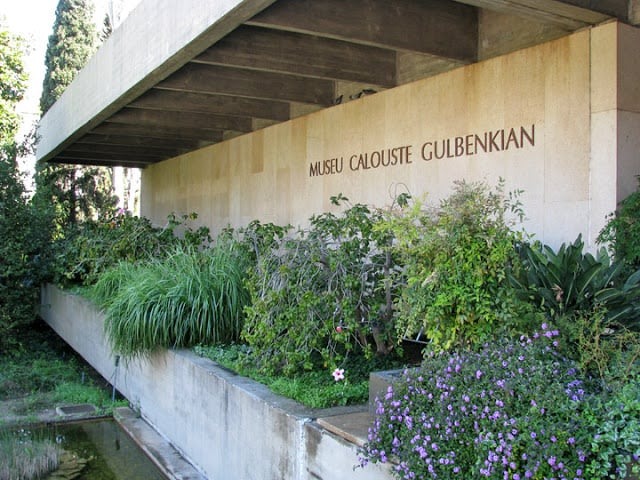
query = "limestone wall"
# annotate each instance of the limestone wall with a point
(559, 121)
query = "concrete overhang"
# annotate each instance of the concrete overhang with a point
(177, 76)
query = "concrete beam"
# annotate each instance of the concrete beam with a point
(442, 28)
(571, 15)
(107, 83)
(218, 80)
(157, 118)
(181, 133)
(289, 52)
(166, 100)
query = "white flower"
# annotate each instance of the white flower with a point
(338, 374)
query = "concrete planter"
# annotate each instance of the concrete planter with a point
(227, 426)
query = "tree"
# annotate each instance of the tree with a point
(20, 246)
(78, 192)
(71, 44)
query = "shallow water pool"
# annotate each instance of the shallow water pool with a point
(111, 453)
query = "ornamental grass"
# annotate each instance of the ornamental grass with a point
(192, 296)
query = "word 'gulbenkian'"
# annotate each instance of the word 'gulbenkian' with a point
(486, 142)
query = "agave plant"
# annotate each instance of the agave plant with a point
(571, 281)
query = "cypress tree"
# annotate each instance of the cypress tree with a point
(78, 192)
(71, 44)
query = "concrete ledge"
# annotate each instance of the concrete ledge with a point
(161, 453)
(225, 425)
(378, 384)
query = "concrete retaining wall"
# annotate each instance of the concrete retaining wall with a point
(228, 426)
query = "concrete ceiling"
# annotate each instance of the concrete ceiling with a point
(298, 56)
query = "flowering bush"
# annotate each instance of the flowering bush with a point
(513, 410)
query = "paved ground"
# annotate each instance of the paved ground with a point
(8, 415)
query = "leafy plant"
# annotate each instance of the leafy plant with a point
(509, 411)
(42, 371)
(612, 355)
(571, 281)
(615, 445)
(456, 258)
(322, 294)
(192, 296)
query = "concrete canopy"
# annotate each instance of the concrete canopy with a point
(177, 76)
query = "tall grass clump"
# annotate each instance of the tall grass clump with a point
(25, 456)
(192, 296)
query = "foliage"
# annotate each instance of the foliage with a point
(18, 275)
(13, 80)
(622, 232)
(456, 258)
(321, 294)
(510, 411)
(610, 354)
(21, 240)
(26, 455)
(615, 444)
(192, 296)
(77, 193)
(92, 248)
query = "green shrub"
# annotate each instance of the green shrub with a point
(322, 294)
(593, 301)
(94, 247)
(22, 251)
(456, 258)
(622, 232)
(192, 296)
(614, 424)
(610, 354)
